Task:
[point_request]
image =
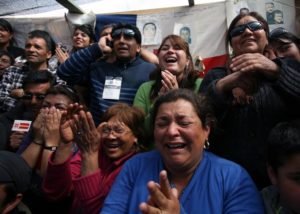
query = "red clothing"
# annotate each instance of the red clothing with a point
(88, 192)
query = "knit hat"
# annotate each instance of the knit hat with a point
(14, 169)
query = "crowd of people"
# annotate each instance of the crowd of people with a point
(110, 127)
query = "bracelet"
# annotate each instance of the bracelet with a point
(50, 148)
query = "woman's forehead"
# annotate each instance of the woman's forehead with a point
(245, 20)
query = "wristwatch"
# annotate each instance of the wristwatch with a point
(50, 148)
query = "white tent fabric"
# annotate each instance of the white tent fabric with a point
(50, 8)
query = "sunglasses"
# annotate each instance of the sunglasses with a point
(127, 33)
(28, 96)
(253, 26)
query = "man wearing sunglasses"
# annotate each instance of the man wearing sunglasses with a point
(109, 82)
(36, 85)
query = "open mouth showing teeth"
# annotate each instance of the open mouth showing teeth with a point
(108, 145)
(171, 60)
(176, 146)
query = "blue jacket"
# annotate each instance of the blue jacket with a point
(81, 67)
(217, 186)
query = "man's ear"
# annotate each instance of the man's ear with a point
(49, 54)
(138, 49)
(272, 174)
(11, 205)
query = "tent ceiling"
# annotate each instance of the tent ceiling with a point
(50, 8)
(24, 7)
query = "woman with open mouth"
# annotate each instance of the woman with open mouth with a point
(87, 176)
(176, 70)
(251, 95)
(180, 176)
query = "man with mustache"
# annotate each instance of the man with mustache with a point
(109, 82)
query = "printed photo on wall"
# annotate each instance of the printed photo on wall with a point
(184, 31)
(273, 15)
(151, 33)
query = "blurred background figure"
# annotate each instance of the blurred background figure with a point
(285, 44)
(83, 36)
(15, 177)
(283, 169)
(7, 39)
(6, 60)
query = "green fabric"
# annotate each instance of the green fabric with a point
(142, 97)
(142, 100)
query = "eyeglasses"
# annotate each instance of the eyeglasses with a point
(5, 61)
(127, 33)
(28, 96)
(253, 26)
(117, 130)
(277, 32)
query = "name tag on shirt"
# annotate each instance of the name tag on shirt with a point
(21, 125)
(112, 88)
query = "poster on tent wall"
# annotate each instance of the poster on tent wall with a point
(278, 13)
(202, 26)
(57, 27)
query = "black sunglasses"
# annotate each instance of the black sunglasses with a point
(253, 26)
(127, 33)
(277, 32)
(28, 96)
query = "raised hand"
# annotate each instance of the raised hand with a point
(104, 44)
(162, 199)
(66, 132)
(39, 127)
(168, 81)
(61, 55)
(52, 126)
(87, 136)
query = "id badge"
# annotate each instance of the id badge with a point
(112, 88)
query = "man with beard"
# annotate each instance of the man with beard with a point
(109, 82)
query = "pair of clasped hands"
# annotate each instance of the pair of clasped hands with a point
(169, 82)
(243, 81)
(162, 198)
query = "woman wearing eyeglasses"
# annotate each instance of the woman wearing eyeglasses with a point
(272, 91)
(87, 176)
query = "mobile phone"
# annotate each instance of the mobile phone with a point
(109, 43)
(63, 47)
